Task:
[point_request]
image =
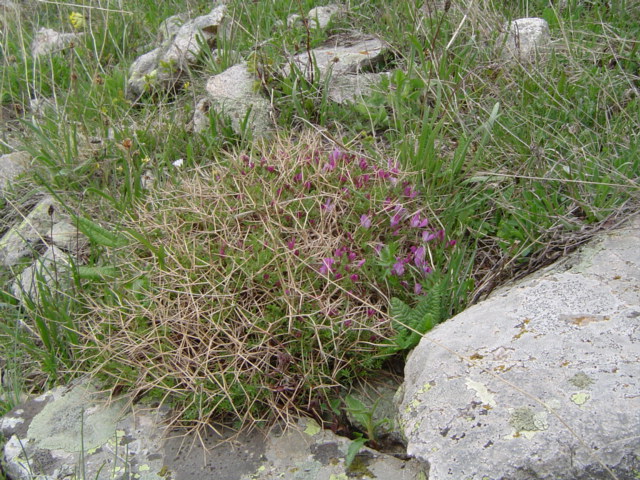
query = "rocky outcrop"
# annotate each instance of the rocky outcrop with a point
(354, 88)
(540, 380)
(318, 17)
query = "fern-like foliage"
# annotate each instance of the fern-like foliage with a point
(411, 323)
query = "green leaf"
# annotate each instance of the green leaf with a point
(358, 410)
(100, 235)
(354, 447)
(97, 273)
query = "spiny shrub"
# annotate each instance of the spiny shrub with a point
(274, 281)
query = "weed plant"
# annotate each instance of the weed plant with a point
(208, 306)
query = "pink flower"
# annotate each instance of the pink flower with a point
(427, 236)
(451, 243)
(354, 277)
(396, 219)
(360, 263)
(365, 221)
(340, 251)
(398, 268)
(334, 156)
(363, 164)
(291, 244)
(327, 265)
(417, 288)
(416, 222)
(410, 192)
(297, 177)
(328, 205)
(330, 166)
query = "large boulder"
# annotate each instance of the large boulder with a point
(541, 380)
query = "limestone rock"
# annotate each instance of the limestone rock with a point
(19, 241)
(525, 39)
(49, 41)
(50, 271)
(12, 165)
(189, 39)
(342, 55)
(538, 381)
(353, 88)
(143, 73)
(320, 17)
(67, 237)
(163, 67)
(170, 27)
(233, 93)
(377, 396)
(302, 451)
(73, 429)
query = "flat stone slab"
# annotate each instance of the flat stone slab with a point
(302, 452)
(75, 431)
(346, 55)
(541, 380)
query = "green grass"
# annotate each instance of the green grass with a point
(517, 162)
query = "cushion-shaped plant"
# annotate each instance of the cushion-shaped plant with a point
(271, 281)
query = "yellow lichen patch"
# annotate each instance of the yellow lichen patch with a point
(580, 398)
(481, 392)
(312, 428)
(523, 328)
(582, 320)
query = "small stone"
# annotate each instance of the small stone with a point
(48, 273)
(49, 41)
(233, 93)
(526, 38)
(12, 165)
(320, 17)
